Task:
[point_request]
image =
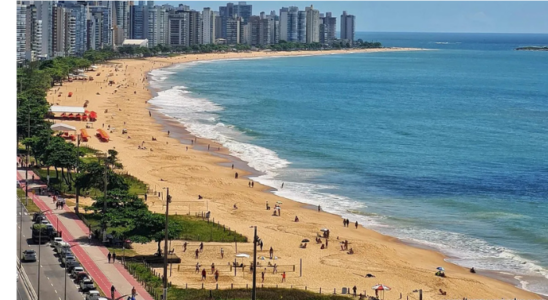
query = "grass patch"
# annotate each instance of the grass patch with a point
(54, 182)
(196, 229)
(136, 186)
(85, 150)
(154, 287)
(31, 207)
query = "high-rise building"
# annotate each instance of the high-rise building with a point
(178, 29)
(99, 27)
(209, 26)
(157, 26)
(244, 11)
(283, 23)
(58, 38)
(233, 30)
(231, 10)
(293, 24)
(260, 30)
(218, 26)
(328, 27)
(245, 33)
(347, 27)
(194, 28)
(312, 25)
(44, 10)
(21, 32)
(301, 27)
(77, 26)
(138, 23)
(273, 25)
(121, 20)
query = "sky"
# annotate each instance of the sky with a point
(427, 16)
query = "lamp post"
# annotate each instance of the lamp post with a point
(254, 290)
(27, 159)
(77, 171)
(105, 199)
(20, 231)
(168, 200)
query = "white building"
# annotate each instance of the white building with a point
(208, 26)
(157, 26)
(136, 43)
(312, 25)
(21, 32)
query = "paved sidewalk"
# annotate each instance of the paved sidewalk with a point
(93, 257)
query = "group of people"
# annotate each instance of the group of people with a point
(346, 223)
(59, 203)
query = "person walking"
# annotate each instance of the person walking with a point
(201, 247)
(283, 277)
(262, 275)
(133, 292)
(354, 289)
(109, 256)
(112, 290)
(356, 224)
(261, 245)
(319, 208)
(197, 253)
(197, 267)
(216, 275)
(204, 274)
(271, 252)
(114, 257)
(184, 247)
(222, 253)
(212, 268)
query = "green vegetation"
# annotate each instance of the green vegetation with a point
(196, 229)
(210, 48)
(31, 207)
(154, 287)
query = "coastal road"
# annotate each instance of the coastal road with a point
(52, 275)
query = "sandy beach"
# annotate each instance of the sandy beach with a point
(189, 170)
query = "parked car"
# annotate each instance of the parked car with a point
(72, 265)
(79, 276)
(29, 255)
(95, 295)
(61, 245)
(67, 259)
(65, 252)
(56, 241)
(87, 285)
(75, 271)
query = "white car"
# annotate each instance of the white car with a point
(29, 255)
(56, 241)
(95, 295)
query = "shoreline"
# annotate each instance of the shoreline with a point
(365, 240)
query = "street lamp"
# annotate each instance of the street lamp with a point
(254, 290)
(168, 200)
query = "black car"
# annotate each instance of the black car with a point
(72, 264)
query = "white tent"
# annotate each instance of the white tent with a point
(62, 127)
(67, 109)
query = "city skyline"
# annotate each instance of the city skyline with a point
(412, 16)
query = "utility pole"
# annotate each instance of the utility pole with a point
(254, 291)
(20, 230)
(168, 199)
(105, 200)
(27, 158)
(39, 261)
(77, 172)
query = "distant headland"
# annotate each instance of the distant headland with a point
(533, 48)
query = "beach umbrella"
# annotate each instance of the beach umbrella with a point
(380, 287)
(305, 241)
(324, 229)
(440, 269)
(242, 255)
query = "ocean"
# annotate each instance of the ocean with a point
(445, 148)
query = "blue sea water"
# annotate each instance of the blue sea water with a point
(444, 148)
